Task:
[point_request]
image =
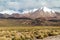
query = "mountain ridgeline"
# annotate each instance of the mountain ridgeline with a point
(39, 17)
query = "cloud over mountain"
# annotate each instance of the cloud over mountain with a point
(27, 4)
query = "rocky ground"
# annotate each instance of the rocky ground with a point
(51, 38)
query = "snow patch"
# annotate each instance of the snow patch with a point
(26, 11)
(45, 9)
(35, 10)
(29, 11)
(8, 12)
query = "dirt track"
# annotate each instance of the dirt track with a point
(51, 38)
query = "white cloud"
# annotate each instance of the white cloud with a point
(14, 5)
(25, 4)
(2, 8)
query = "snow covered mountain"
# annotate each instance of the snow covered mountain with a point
(45, 9)
(43, 12)
(8, 12)
(12, 11)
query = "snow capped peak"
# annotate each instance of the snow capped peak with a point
(8, 12)
(45, 9)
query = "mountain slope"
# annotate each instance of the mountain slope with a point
(43, 12)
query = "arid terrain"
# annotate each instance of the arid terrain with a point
(30, 33)
(29, 19)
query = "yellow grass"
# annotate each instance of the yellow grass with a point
(29, 27)
(28, 33)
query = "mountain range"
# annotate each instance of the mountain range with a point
(42, 16)
(43, 12)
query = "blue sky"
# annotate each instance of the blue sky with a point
(28, 4)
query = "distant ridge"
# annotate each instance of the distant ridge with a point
(42, 12)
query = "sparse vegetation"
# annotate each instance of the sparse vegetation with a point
(28, 33)
(19, 29)
(26, 22)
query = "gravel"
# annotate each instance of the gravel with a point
(51, 38)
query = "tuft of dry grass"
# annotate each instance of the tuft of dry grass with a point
(28, 33)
